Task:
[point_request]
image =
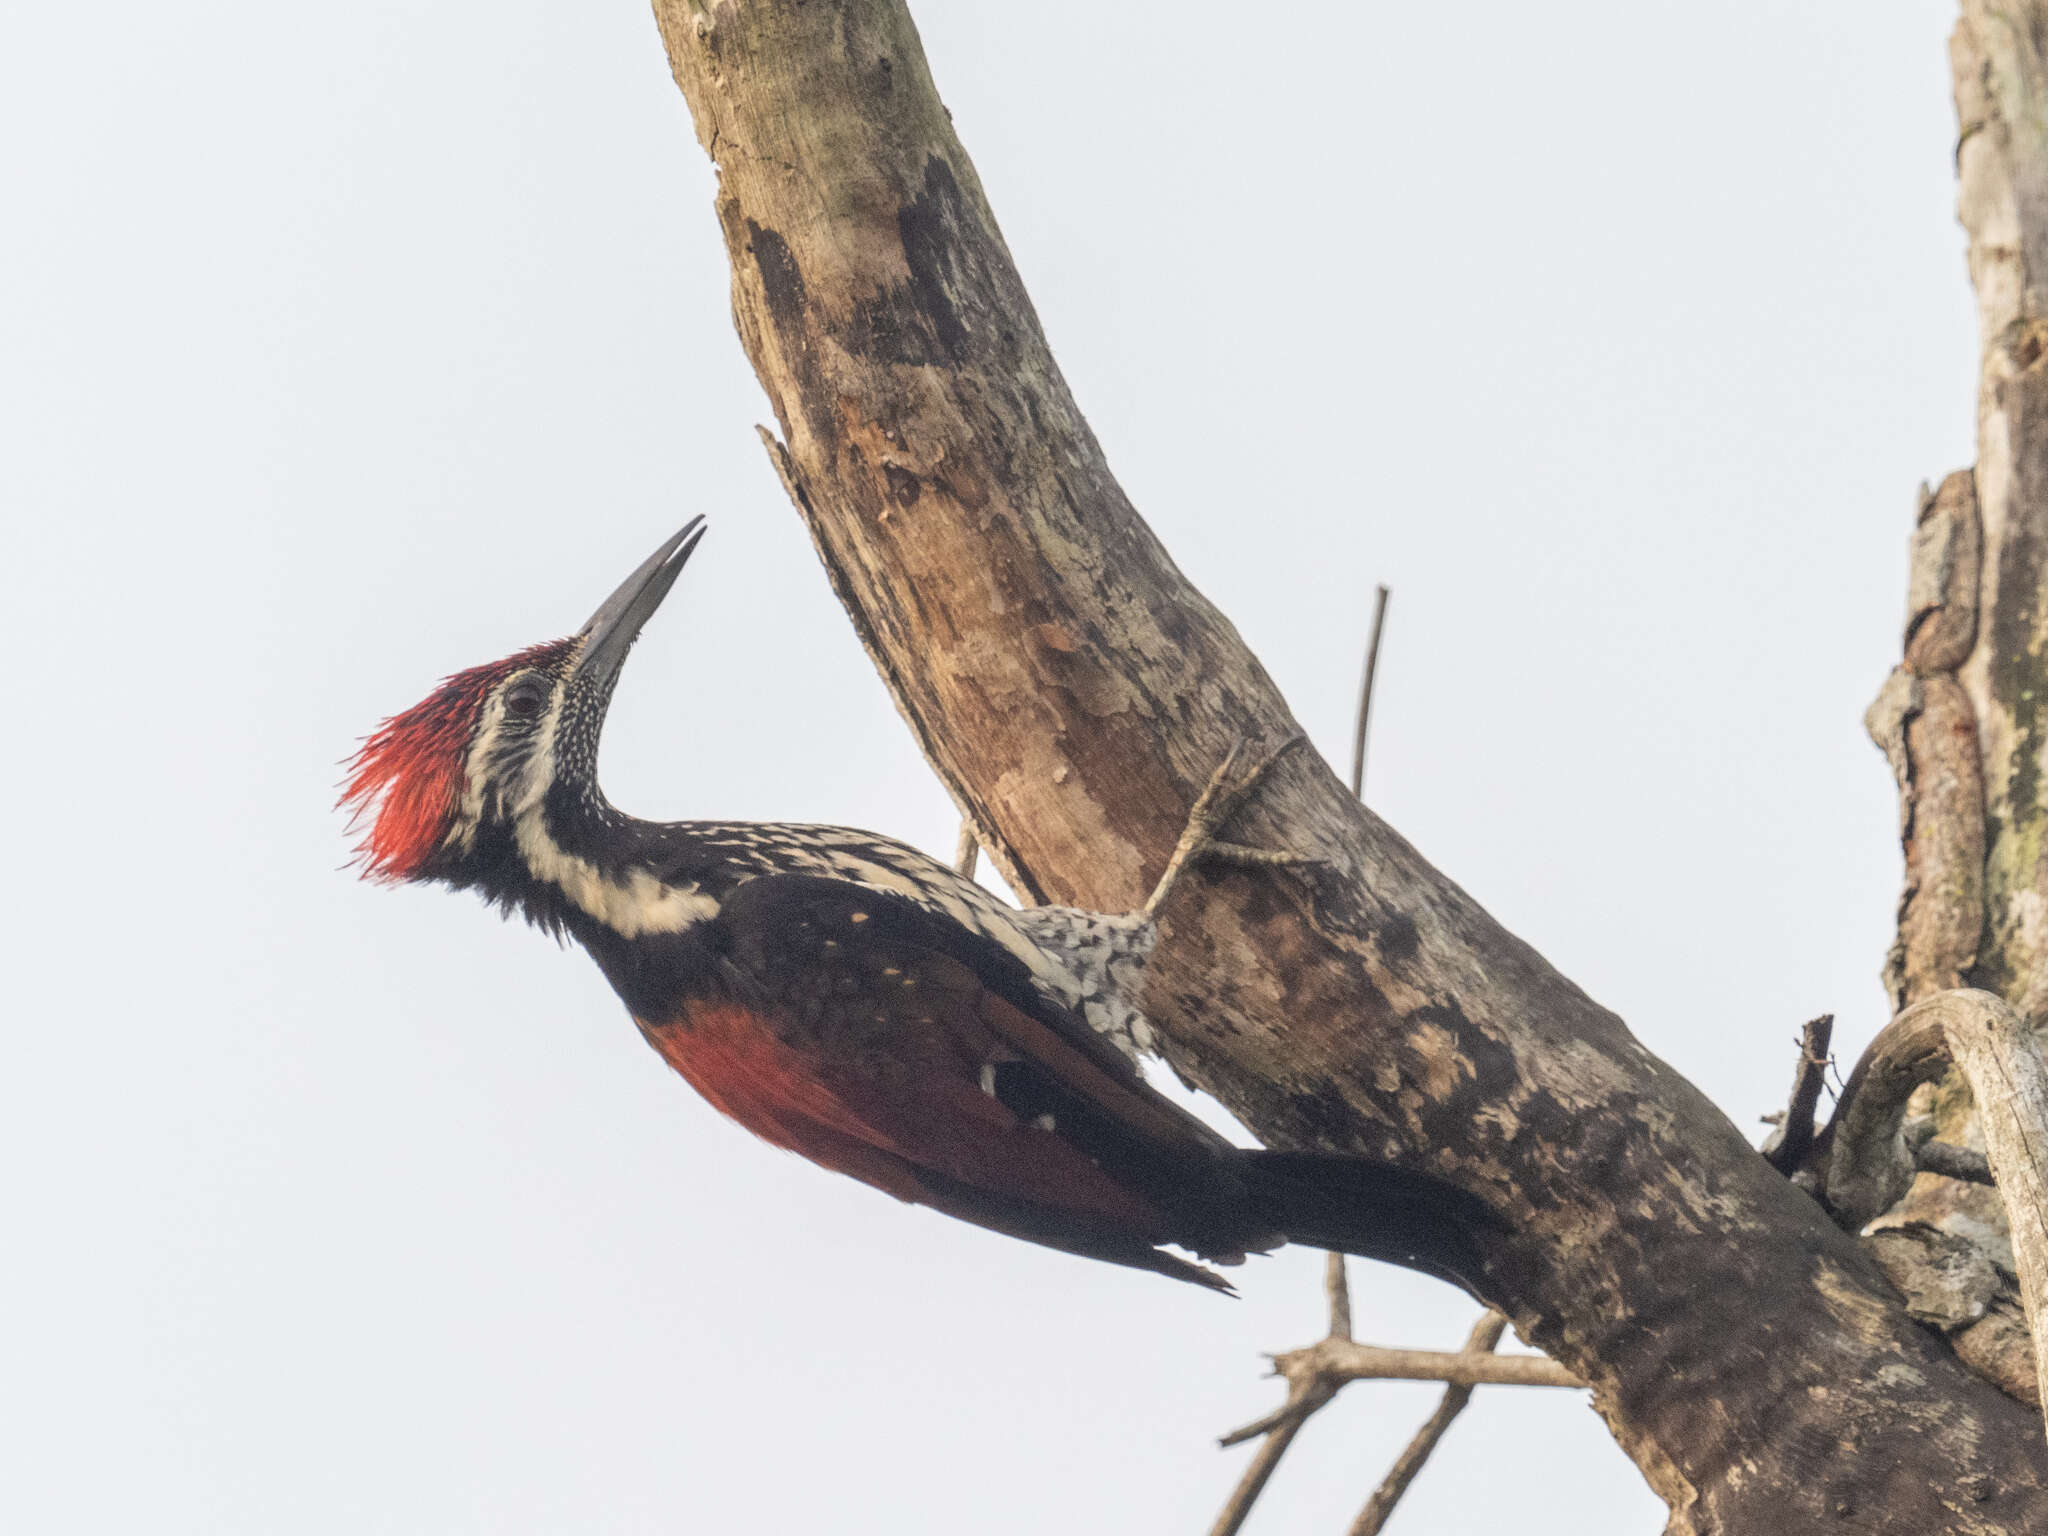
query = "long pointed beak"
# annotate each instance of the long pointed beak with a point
(619, 619)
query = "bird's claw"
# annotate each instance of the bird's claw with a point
(1257, 858)
(1229, 787)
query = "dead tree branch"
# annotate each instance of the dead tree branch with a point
(1313, 1386)
(1953, 1162)
(1337, 1288)
(1485, 1337)
(1345, 1360)
(1787, 1147)
(1279, 1433)
(1074, 692)
(1315, 1375)
(1304, 1398)
(1961, 724)
(1870, 1164)
(1987, 1041)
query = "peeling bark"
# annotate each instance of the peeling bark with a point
(1941, 588)
(1073, 691)
(1925, 725)
(1929, 735)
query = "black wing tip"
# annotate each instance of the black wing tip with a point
(1195, 1274)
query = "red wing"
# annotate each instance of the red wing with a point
(901, 1127)
(847, 1034)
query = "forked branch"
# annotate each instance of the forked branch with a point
(1315, 1375)
(1485, 1337)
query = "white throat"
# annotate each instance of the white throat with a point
(638, 904)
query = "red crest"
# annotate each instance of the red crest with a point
(406, 778)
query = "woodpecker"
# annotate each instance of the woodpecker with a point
(846, 997)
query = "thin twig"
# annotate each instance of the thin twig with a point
(1337, 1287)
(1305, 1394)
(1789, 1144)
(1239, 1505)
(1372, 666)
(967, 850)
(1485, 1337)
(1341, 1360)
(1315, 1375)
(1289, 1412)
(1331, 1363)
(1487, 1331)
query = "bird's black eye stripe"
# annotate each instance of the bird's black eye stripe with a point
(526, 698)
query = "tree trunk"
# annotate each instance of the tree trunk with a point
(1074, 692)
(1961, 719)
(2001, 84)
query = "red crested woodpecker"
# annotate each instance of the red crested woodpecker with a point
(846, 997)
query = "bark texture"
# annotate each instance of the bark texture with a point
(1872, 1165)
(2001, 1060)
(1924, 722)
(1074, 692)
(2001, 86)
(1949, 1283)
(1961, 719)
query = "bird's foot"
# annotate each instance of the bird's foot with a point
(1229, 787)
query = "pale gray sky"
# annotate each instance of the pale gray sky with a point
(342, 347)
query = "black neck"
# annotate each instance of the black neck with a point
(706, 858)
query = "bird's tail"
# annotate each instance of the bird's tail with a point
(1396, 1215)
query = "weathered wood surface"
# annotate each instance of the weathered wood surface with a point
(1962, 719)
(2001, 1060)
(1925, 725)
(1074, 691)
(1871, 1165)
(2001, 85)
(1975, 905)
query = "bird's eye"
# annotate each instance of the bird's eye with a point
(525, 699)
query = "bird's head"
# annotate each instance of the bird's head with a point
(451, 781)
